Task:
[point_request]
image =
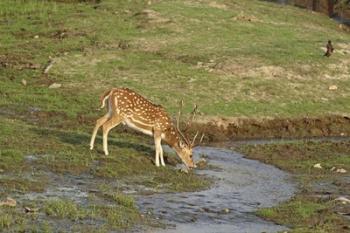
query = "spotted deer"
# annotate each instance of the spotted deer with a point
(127, 107)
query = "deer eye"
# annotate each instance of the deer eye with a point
(181, 144)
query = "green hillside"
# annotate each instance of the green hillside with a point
(233, 58)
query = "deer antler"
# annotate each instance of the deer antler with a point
(178, 124)
(189, 123)
(194, 140)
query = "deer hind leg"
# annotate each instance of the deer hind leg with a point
(159, 149)
(107, 126)
(99, 123)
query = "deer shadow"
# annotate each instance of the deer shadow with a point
(74, 138)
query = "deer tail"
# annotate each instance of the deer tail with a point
(104, 97)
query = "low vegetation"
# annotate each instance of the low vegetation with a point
(314, 208)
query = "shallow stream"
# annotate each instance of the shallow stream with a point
(241, 186)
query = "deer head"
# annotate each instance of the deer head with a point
(185, 145)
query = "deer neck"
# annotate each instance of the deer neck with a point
(172, 138)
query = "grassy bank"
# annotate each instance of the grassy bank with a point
(314, 208)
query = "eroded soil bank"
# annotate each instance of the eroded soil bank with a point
(216, 129)
(224, 129)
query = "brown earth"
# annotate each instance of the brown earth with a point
(215, 129)
(220, 129)
(247, 128)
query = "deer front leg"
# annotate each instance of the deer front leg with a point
(107, 126)
(158, 147)
(161, 156)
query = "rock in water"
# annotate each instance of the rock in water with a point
(202, 163)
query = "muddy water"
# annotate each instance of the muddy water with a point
(241, 187)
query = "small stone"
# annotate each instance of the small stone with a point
(24, 82)
(36, 37)
(30, 210)
(342, 134)
(226, 210)
(1, 170)
(184, 170)
(8, 202)
(333, 169)
(318, 165)
(199, 63)
(343, 200)
(55, 85)
(341, 170)
(332, 88)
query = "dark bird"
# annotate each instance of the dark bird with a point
(330, 49)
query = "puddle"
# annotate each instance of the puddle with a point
(241, 187)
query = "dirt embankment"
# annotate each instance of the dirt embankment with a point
(221, 129)
(216, 129)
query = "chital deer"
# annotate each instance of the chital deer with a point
(127, 107)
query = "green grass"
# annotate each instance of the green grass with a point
(63, 209)
(312, 209)
(296, 210)
(124, 200)
(305, 216)
(285, 41)
(300, 157)
(122, 214)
